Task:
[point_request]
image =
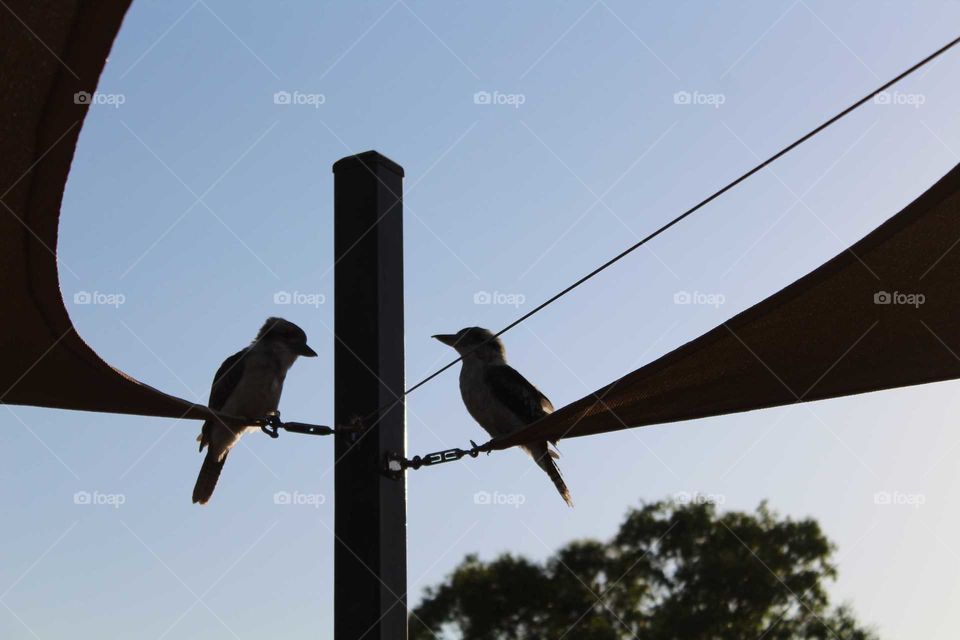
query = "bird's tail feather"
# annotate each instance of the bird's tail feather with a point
(546, 460)
(209, 474)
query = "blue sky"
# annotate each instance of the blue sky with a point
(198, 199)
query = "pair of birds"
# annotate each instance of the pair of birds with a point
(248, 384)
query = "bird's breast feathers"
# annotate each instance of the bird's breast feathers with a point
(257, 393)
(484, 406)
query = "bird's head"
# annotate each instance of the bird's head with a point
(475, 342)
(285, 334)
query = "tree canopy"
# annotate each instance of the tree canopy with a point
(672, 572)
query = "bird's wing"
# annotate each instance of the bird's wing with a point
(516, 392)
(224, 382)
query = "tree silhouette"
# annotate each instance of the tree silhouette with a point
(672, 572)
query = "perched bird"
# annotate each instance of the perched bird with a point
(248, 385)
(499, 398)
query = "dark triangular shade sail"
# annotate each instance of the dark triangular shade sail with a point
(51, 51)
(851, 326)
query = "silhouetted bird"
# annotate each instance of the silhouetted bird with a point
(248, 385)
(499, 398)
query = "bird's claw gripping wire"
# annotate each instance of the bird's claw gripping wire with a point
(397, 464)
(271, 424)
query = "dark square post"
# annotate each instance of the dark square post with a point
(370, 554)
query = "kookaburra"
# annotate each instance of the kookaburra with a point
(499, 398)
(248, 385)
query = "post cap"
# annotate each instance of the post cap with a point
(367, 159)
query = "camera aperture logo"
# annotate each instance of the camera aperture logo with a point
(298, 98)
(899, 498)
(698, 98)
(899, 298)
(515, 500)
(695, 497)
(714, 300)
(98, 498)
(309, 299)
(498, 297)
(297, 499)
(94, 99)
(899, 98)
(100, 298)
(501, 99)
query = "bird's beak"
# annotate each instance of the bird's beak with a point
(449, 339)
(307, 351)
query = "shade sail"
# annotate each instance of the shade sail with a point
(52, 49)
(884, 313)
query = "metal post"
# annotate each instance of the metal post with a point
(370, 554)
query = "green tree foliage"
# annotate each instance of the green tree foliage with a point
(672, 572)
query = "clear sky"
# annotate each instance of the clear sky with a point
(198, 199)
